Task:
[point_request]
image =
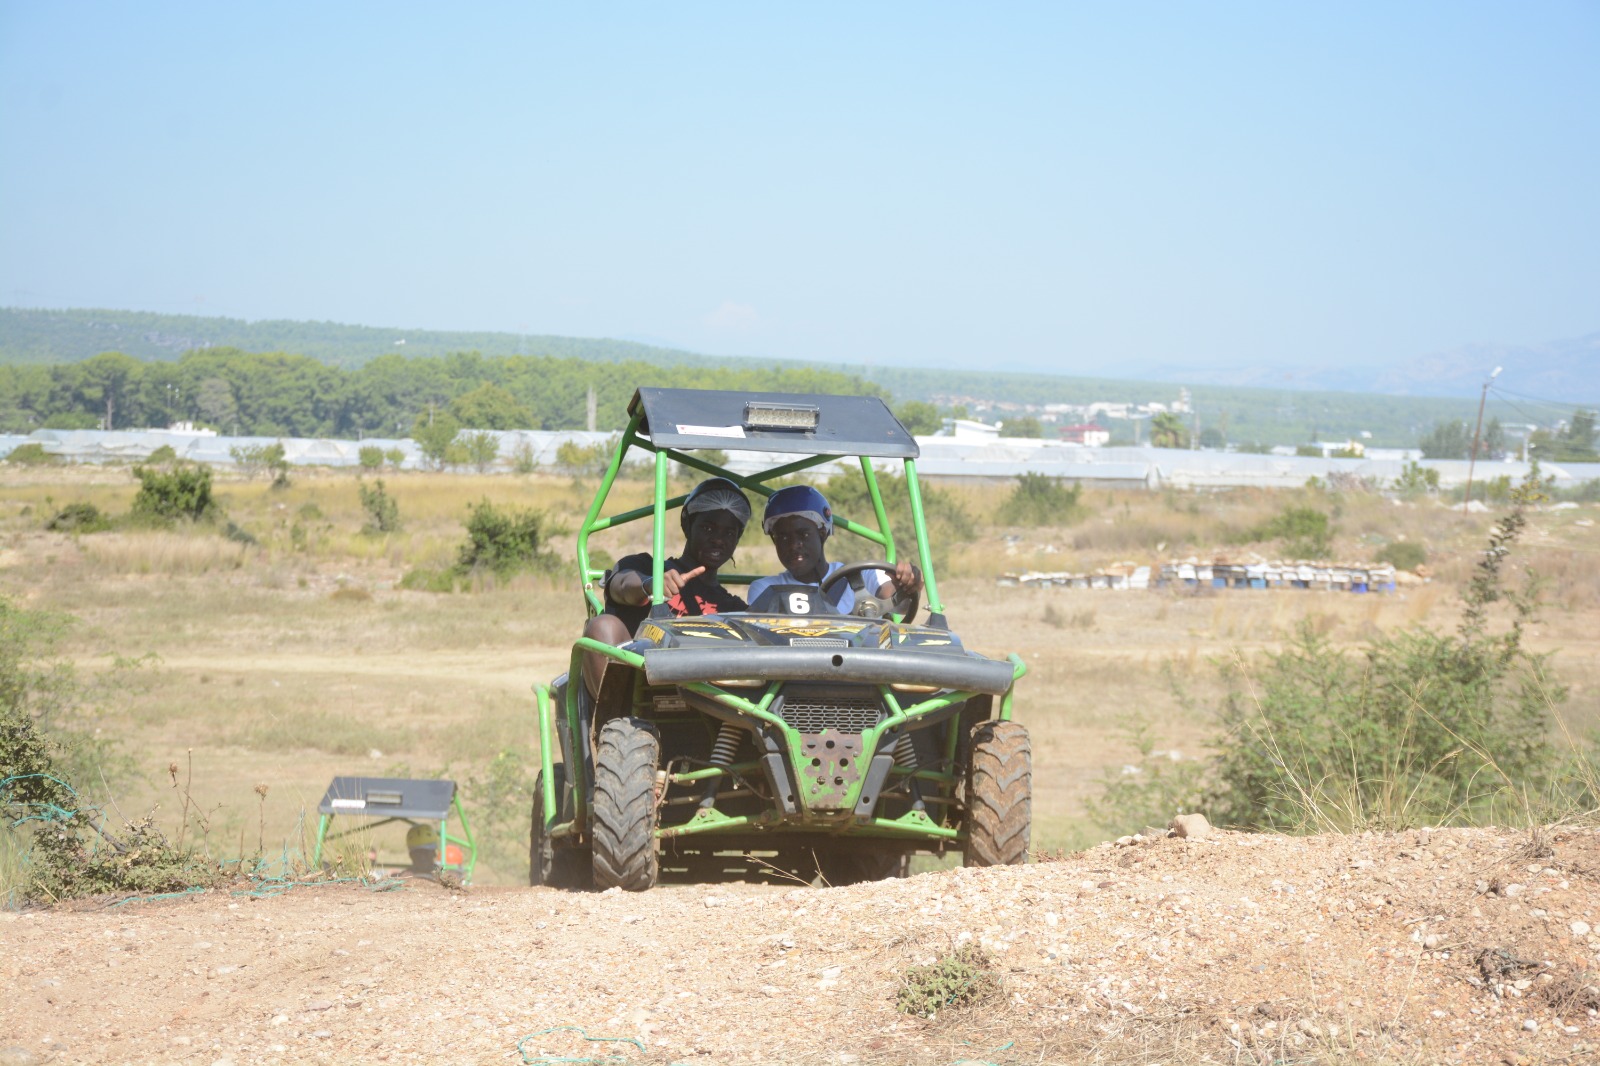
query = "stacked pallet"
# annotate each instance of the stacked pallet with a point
(1191, 573)
(1336, 577)
(1117, 576)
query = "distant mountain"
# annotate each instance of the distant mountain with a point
(1566, 371)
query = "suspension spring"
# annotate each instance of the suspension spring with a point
(726, 747)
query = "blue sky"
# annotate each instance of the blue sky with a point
(1083, 188)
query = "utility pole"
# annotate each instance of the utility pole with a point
(1472, 460)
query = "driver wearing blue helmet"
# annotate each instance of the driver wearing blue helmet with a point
(799, 521)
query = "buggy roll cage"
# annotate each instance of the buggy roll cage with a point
(855, 426)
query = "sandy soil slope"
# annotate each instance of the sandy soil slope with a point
(1470, 946)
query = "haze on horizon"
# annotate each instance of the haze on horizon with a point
(1073, 188)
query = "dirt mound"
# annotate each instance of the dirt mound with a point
(1470, 946)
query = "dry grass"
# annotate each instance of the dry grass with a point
(296, 660)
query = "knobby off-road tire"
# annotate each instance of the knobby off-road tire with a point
(549, 865)
(625, 805)
(999, 795)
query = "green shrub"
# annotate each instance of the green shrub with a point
(482, 447)
(1416, 480)
(1495, 489)
(523, 459)
(239, 535)
(176, 493)
(1403, 555)
(395, 457)
(80, 517)
(164, 454)
(1039, 500)
(383, 513)
(919, 417)
(371, 457)
(499, 798)
(277, 464)
(503, 541)
(435, 433)
(1304, 531)
(425, 580)
(584, 460)
(268, 459)
(251, 458)
(31, 454)
(46, 758)
(963, 978)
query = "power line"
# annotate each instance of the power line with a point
(1536, 399)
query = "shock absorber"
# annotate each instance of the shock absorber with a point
(722, 753)
(905, 754)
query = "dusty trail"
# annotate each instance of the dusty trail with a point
(489, 667)
(1470, 946)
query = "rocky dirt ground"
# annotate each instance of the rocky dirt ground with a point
(1444, 946)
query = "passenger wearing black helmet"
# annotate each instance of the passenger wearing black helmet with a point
(713, 519)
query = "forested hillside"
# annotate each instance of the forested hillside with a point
(362, 379)
(278, 394)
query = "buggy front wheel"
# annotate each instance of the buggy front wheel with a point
(625, 812)
(999, 795)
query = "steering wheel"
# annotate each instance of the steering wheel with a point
(915, 597)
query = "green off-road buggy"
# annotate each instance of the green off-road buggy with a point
(789, 739)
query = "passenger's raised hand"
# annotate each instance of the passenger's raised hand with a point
(672, 581)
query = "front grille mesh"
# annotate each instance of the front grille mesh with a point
(847, 714)
(818, 642)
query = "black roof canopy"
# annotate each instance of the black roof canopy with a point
(704, 418)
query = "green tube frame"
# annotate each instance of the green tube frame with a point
(657, 510)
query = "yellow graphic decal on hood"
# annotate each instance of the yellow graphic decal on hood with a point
(701, 627)
(810, 627)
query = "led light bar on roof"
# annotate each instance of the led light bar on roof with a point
(764, 415)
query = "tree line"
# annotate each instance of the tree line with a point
(278, 394)
(1571, 441)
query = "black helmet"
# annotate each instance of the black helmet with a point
(716, 494)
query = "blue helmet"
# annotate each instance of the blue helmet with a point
(801, 500)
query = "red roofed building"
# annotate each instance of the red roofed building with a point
(1091, 434)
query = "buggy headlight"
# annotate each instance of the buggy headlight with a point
(739, 682)
(764, 415)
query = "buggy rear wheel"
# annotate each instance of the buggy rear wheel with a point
(999, 795)
(557, 867)
(625, 811)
